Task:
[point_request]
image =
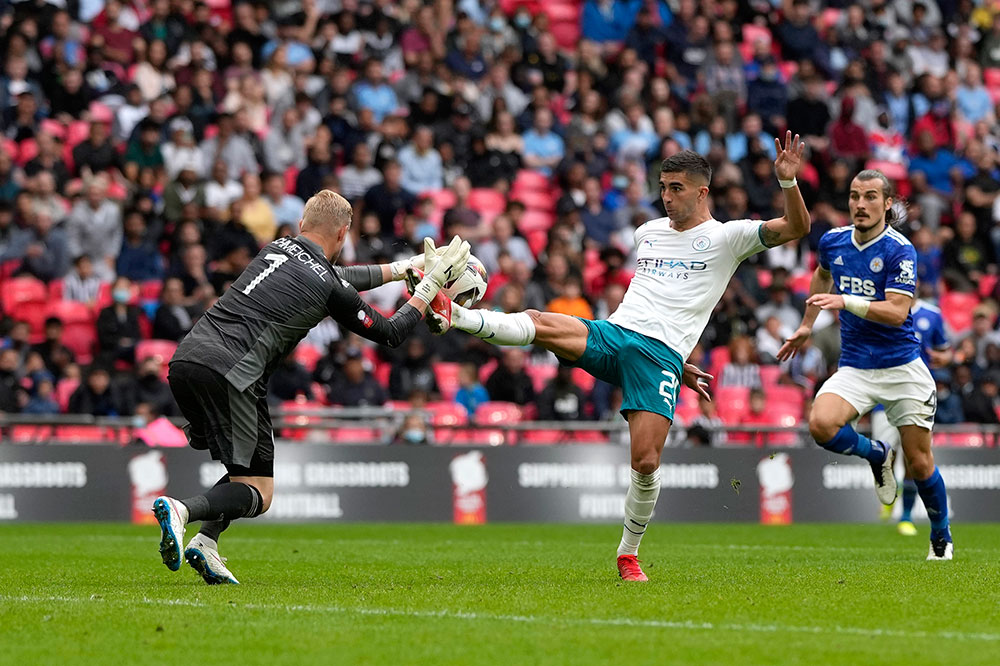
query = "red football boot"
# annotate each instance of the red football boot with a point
(629, 569)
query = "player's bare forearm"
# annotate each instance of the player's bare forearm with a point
(796, 222)
(821, 283)
(892, 312)
(941, 358)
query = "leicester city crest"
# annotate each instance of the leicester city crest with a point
(876, 264)
(701, 243)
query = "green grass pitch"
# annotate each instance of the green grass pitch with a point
(821, 595)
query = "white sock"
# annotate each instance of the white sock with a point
(639, 503)
(498, 328)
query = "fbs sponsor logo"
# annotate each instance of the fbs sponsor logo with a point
(774, 474)
(469, 479)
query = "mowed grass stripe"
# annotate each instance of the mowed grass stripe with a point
(530, 619)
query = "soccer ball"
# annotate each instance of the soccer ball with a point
(469, 287)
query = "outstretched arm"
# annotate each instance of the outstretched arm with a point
(795, 222)
(821, 283)
(891, 312)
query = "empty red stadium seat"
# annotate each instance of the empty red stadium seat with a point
(22, 290)
(70, 312)
(150, 290)
(527, 179)
(27, 151)
(25, 434)
(785, 394)
(540, 437)
(443, 199)
(770, 374)
(752, 32)
(566, 33)
(956, 308)
(583, 379)
(487, 200)
(732, 403)
(446, 375)
(164, 349)
(486, 369)
(991, 77)
(542, 200)
(541, 375)
(354, 435)
(298, 414)
(81, 339)
(969, 439)
(496, 414)
(82, 433)
(307, 356)
(536, 220)
(445, 417)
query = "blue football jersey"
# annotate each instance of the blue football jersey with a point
(885, 264)
(928, 324)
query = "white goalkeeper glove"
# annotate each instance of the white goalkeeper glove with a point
(417, 261)
(442, 267)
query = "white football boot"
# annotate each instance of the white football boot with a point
(172, 516)
(941, 550)
(885, 479)
(203, 556)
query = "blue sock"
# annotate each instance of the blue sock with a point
(935, 499)
(909, 499)
(849, 442)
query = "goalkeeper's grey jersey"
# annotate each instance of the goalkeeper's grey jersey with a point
(286, 290)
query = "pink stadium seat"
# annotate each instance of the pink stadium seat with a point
(537, 240)
(583, 379)
(540, 437)
(446, 375)
(300, 413)
(27, 151)
(987, 284)
(956, 308)
(487, 200)
(540, 375)
(77, 133)
(991, 77)
(164, 349)
(542, 200)
(82, 433)
(732, 403)
(445, 418)
(536, 220)
(486, 369)
(25, 434)
(567, 34)
(307, 356)
(443, 199)
(70, 312)
(353, 435)
(769, 375)
(752, 32)
(495, 414)
(23, 290)
(785, 394)
(892, 170)
(527, 179)
(150, 290)
(81, 339)
(960, 439)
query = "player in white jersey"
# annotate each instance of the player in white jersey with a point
(684, 263)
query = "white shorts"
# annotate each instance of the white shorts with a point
(907, 391)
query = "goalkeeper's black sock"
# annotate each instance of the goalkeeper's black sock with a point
(214, 528)
(228, 500)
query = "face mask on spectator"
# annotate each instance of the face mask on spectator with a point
(121, 295)
(414, 435)
(496, 24)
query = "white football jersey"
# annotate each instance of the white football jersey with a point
(681, 275)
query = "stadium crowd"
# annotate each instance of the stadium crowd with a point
(149, 148)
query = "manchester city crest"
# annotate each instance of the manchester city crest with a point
(701, 243)
(876, 264)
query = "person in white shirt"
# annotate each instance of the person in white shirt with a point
(684, 263)
(221, 192)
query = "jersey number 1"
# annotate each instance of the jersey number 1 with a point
(275, 260)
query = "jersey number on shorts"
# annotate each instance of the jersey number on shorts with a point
(668, 387)
(276, 260)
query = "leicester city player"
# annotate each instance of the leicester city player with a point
(936, 352)
(873, 268)
(684, 264)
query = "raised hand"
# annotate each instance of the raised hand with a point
(794, 343)
(789, 159)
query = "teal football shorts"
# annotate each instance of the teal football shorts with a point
(648, 371)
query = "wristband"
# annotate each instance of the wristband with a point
(856, 305)
(788, 184)
(397, 269)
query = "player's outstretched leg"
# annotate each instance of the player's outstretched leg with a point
(202, 552)
(930, 487)
(172, 515)
(829, 426)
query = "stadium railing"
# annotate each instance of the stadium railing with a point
(379, 425)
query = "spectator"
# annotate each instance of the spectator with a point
(949, 404)
(373, 93)
(220, 193)
(359, 176)
(414, 372)
(186, 189)
(767, 95)
(742, 369)
(255, 213)
(509, 382)
(41, 401)
(708, 420)
(191, 270)
(570, 300)
(99, 396)
(470, 392)
(150, 389)
(421, 163)
(770, 336)
(139, 259)
(388, 198)
(289, 381)
(755, 417)
(285, 145)
(503, 240)
(229, 147)
(54, 354)
(965, 258)
(543, 148)
(318, 169)
(82, 284)
(980, 406)
(42, 248)
(413, 430)
(173, 318)
(287, 207)
(49, 158)
(11, 392)
(796, 33)
(354, 386)
(561, 399)
(598, 221)
(181, 151)
(94, 228)
(118, 329)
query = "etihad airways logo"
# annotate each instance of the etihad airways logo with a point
(675, 269)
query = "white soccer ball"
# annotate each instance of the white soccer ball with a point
(469, 287)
